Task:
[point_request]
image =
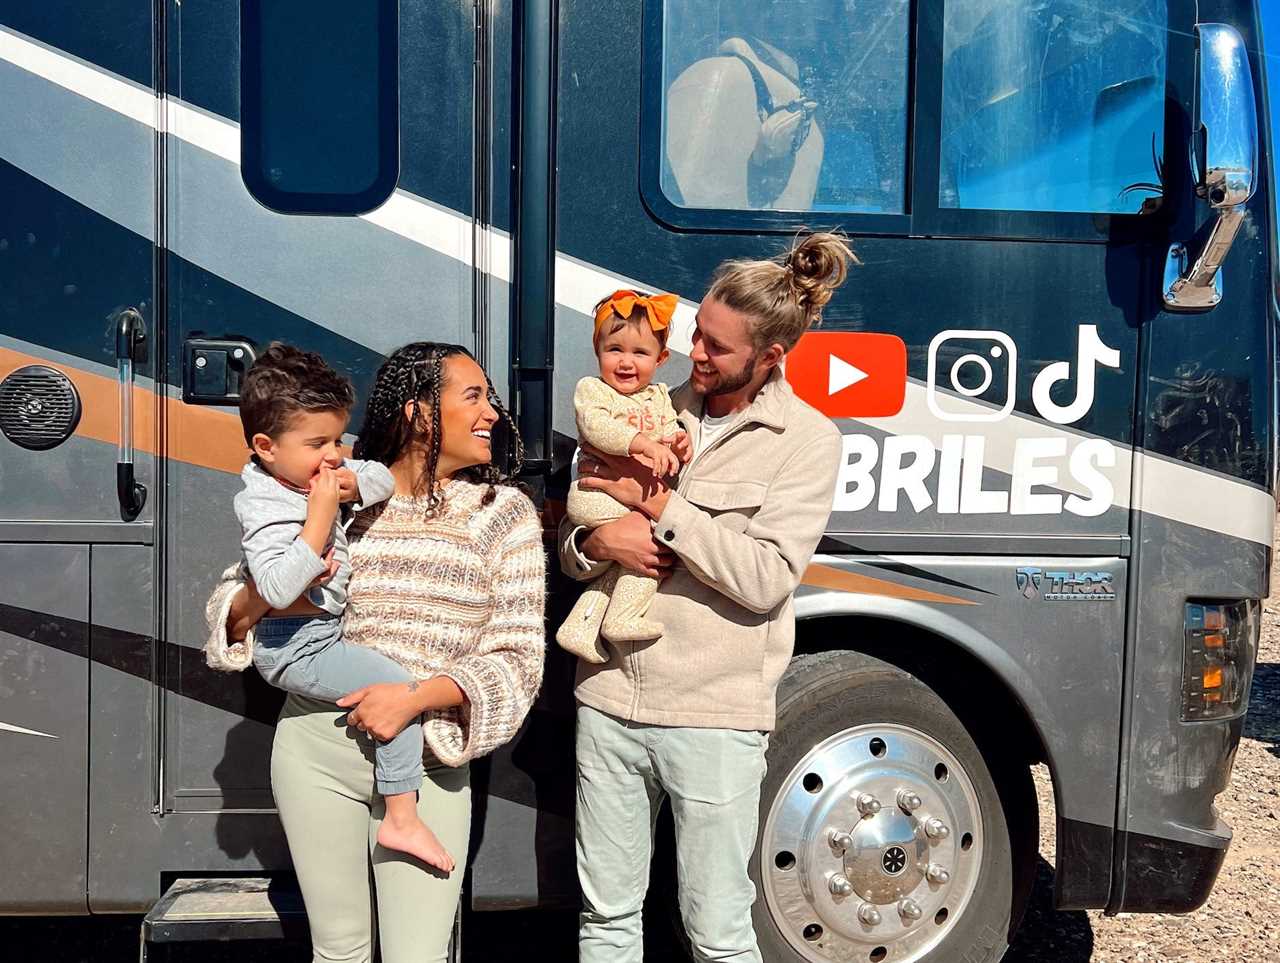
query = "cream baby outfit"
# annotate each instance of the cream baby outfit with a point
(614, 605)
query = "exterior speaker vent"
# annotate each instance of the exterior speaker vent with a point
(39, 407)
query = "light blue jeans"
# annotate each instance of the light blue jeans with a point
(309, 657)
(713, 778)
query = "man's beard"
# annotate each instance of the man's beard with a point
(730, 383)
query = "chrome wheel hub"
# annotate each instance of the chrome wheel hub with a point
(871, 849)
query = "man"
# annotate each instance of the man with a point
(688, 715)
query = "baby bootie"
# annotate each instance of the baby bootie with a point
(624, 619)
(580, 633)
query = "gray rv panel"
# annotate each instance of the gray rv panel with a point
(380, 289)
(78, 533)
(214, 759)
(74, 481)
(1174, 769)
(1061, 658)
(132, 843)
(44, 726)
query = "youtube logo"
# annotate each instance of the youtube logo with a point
(853, 374)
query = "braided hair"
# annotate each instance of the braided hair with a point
(415, 373)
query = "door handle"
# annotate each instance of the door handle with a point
(213, 370)
(131, 341)
(1224, 164)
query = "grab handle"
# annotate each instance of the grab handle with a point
(1224, 166)
(131, 339)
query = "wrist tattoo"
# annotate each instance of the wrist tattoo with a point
(413, 686)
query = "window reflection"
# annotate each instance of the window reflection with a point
(1053, 105)
(785, 104)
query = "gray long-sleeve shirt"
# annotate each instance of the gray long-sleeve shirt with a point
(271, 517)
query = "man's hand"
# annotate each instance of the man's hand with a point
(629, 541)
(623, 480)
(348, 487)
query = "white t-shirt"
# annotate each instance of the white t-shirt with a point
(712, 426)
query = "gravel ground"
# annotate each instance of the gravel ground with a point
(1241, 921)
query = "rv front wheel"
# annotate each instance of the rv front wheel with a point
(882, 832)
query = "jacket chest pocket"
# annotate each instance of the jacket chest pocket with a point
(733, 504)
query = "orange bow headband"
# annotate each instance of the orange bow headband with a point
(659, 308)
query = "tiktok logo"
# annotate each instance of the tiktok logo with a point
(1090, 353)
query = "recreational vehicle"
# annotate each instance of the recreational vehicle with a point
(1053, 373)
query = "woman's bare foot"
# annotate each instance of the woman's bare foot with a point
(404, 832)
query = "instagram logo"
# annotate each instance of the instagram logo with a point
(980, 365)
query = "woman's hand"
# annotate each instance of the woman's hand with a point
(247, 609)
(383, 710)
(629, 541)
(624, 480)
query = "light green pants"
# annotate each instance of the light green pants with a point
(322, 774)
(713, 778)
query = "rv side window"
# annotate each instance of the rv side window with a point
(785, 106)
(1053, 106)
(319, 104)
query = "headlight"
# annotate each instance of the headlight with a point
(1220, 646)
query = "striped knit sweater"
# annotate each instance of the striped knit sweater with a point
(459, 594)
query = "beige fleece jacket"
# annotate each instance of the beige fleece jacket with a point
(744, 521)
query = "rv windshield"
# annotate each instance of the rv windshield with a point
(1053, 106)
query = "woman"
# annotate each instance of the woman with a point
(447, 578)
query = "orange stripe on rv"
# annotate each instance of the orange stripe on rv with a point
(198, 436)
(824, 576)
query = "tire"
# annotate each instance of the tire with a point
(831, 706)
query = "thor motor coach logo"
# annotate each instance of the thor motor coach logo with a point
(1028, 581)
(1062, 586)
(972, 377)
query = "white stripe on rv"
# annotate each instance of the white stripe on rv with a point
(1167, 488)
(6, 727)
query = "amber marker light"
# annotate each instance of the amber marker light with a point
(1220, 641)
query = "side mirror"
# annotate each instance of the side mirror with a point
(1224, 161)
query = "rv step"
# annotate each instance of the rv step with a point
(222, 909)
(194, 910)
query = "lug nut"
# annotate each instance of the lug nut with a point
(938, 874)
(910, 910)
(908, 801)
(935, 828)
(840, 841)
(869, 915)
(840, 886)
(868, 805)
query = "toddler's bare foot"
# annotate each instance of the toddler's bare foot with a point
(414, 837)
